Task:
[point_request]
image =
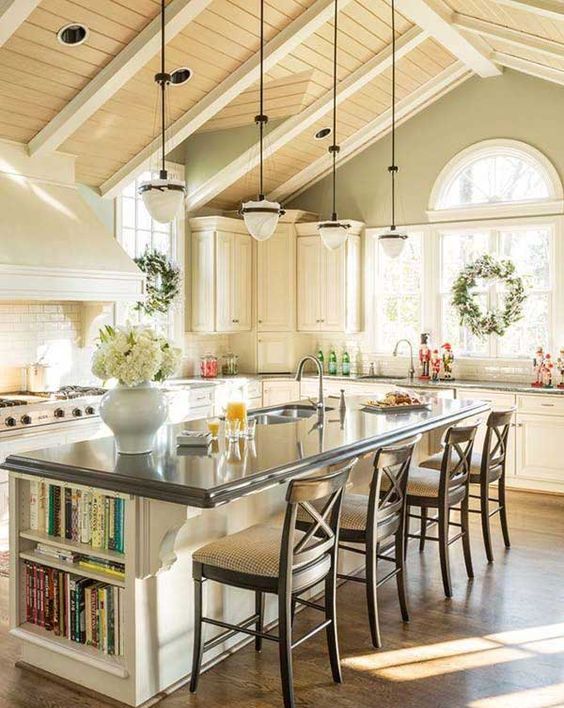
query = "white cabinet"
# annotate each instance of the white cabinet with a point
(329, 284)
(222, 276)
(280, 391)
(539, 447)
(276, 281)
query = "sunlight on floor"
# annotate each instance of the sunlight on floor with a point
(543, 697)
(421, 662)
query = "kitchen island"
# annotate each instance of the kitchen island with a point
(174, 500)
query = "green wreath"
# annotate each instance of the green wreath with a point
(470, 313)
(163, 282)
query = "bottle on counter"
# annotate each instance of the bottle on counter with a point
(321, 358)
(346, 364)
(332, 363)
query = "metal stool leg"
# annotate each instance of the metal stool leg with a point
(285, 648)
(198, 638)
(444, 514)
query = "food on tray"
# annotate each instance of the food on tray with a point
(396, 398)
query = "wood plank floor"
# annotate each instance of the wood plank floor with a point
(498, 643)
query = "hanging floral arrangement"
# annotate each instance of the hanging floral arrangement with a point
(163, 282)
(471, 315)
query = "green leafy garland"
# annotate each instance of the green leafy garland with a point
(471, 315)
(163, 282)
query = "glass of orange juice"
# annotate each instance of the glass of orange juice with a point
(213, 427)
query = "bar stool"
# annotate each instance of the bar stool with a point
(373, 519)
(428, 490)
(282, 561)
(486, 469)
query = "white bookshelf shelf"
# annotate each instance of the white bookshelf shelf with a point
(83, 548)
(72, 568)
(80, 652)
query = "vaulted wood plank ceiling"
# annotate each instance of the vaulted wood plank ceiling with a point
(115, 122)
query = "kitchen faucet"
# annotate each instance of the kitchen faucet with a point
(303, 361)
(411, 372)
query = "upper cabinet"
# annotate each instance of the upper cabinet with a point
(276, 281)
(222, 275)
(329, 286)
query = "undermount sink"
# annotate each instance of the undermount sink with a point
(285, 414)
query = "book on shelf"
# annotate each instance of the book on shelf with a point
(80, 609)
(91, 518)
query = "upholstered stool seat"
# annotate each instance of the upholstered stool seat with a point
(434, 462)
(354, 512)
(255, 551)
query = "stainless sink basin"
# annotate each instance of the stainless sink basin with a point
(285, 414)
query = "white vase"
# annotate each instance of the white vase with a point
(134, 414)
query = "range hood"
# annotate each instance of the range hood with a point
(53, 246)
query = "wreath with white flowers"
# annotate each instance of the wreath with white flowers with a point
(471, 315)
(163, 282)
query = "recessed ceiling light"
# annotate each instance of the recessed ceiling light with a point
(72, 35)
(180, 76)
(323, 133)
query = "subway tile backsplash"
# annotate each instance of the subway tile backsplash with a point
(32, 330)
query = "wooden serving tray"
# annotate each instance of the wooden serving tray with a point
(397, 409)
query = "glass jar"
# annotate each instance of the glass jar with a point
(230, 366)
(209, 367)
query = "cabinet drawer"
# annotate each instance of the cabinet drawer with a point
(254, 389)
(536, 403)
(497, 400)
(201, 397)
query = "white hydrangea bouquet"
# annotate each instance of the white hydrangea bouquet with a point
(136, 408)
(134, 355)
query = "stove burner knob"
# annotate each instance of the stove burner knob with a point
(59, 413)
(11, 422)
(90, 410)
(26, 419)
(77, 412)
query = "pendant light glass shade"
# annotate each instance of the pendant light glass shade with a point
(162, 198)
(261, 218)
(333, 234)
(392, 243)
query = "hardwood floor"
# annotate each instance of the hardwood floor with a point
(498, 642)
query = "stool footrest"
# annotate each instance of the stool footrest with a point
(308, 603)
(311, 633)
(234, 629)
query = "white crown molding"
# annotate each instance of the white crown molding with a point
(553, 9)
(435, 17)
(114, 75)
(285, 42)
(292, 127)
(532, 68)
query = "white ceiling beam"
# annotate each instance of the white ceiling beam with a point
(510, 36)
(12, 14)
(285, 42)
(436, 18)
(108, 81)
(294, 126)
(532, 68)
(418, 100)
(552, 9)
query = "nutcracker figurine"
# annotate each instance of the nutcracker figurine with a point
(547, 372)
(436, 365)
(538, 361)
(560, 367)
(424, 357)
(448, 361)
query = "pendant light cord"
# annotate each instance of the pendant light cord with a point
(393, 167)
(261, 117)
(163, 90)
(334, 149)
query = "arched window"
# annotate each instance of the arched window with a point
(497, 176)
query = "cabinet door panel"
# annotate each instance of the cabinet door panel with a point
(203, 287)
(242, 279)
(539, 447)
(225, 286)
(332, 289)
(309, 283)
(274, 392)
(276, 282)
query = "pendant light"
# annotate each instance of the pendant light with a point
(393, 241)
(163, 196)
(261, 216)
(334, 232)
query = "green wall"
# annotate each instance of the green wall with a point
(511, 106)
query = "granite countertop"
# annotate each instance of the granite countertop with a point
(508, 386)
(210, 477)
